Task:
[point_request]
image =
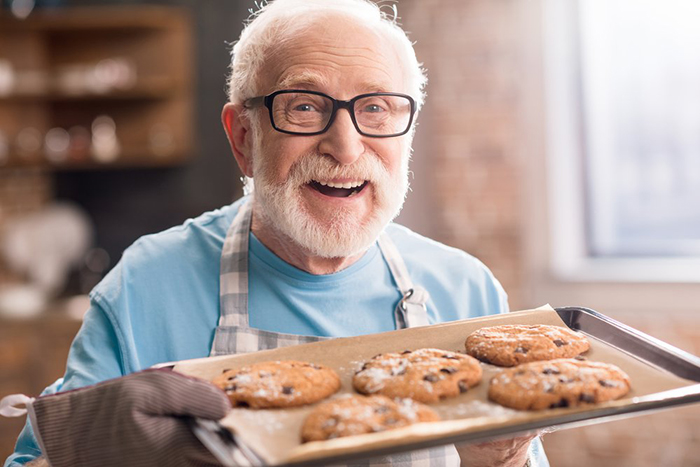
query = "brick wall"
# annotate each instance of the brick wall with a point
(469, 150)
(470, 122)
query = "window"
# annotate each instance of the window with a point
(623, 126)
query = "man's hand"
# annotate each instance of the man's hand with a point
(137, 420)
(503, 452)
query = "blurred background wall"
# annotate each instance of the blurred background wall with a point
(488, 179)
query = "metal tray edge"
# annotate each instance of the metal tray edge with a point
(632, 341)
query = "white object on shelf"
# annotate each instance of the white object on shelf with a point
(22, 301)
(7, 77)
(45, 245)
(105, 146)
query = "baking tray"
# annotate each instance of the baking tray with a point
(658, 358)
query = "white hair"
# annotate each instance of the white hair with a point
(280, 19)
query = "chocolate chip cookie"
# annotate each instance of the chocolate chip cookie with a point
(350, 415)
(278, 384)
(426, 375)
(565, 382)
(511, 345)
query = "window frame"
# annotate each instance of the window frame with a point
(565, 143)
(556, 268)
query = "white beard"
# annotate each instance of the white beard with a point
(281, 205)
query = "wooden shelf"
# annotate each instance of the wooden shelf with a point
(56, 57)
(100, 18)
(147, 89)
(33, 354)
(132, 160)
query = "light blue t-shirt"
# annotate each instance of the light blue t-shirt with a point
(161, 302)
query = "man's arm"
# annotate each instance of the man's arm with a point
(511, 452)
(515, 452)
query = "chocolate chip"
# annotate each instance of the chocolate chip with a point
(432, 378)
(287, 389)
(406, 351)
(559, 342)
(463, 386)
(231, 378)
(606, 384)
(365, 366)
(561, 403)
(449, 370)
(227, 369)
(485, 360)
(565, 380)
(242, 404)
(521, 350)
(378, 355)
(451, 357)
(233, 387)
(551, 371)
(586, 397)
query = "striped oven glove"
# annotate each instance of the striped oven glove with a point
(137, 420)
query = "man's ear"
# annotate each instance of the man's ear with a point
(237, 127)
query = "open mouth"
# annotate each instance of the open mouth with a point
(338, 190)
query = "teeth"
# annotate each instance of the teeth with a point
(346, 185)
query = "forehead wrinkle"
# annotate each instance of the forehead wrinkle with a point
(341, 52)
(383, 79)
(302, 75)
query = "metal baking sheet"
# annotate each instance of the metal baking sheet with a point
(658, 359)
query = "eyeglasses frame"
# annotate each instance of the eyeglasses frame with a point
(337, 104)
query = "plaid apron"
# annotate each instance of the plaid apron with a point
(234, 335)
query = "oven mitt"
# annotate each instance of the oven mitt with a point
(137, 420)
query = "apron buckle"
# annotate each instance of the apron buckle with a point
(405, 298)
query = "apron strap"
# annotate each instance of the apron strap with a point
(411, 311)
(233, 280)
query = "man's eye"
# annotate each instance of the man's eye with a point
(373, 108)
(304, 108)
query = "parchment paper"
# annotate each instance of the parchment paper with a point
(275, 434)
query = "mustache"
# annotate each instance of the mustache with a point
(320, 167)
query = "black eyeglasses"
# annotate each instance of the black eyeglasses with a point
(300, 112)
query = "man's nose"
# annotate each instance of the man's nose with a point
(342, 141)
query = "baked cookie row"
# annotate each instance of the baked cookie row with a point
(396, 385)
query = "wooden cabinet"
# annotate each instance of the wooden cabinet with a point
(96, 87)
(32, 355)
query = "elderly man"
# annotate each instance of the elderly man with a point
(323, 99)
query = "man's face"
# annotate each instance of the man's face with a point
(295, 175)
